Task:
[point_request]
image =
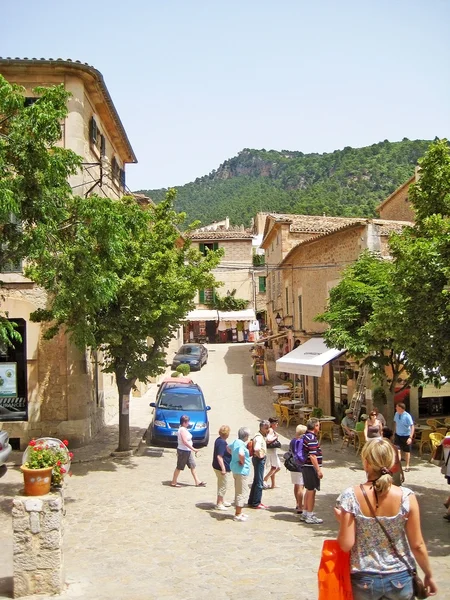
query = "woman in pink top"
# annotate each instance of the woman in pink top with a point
(184, 454)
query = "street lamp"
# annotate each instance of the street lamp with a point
(278, 319)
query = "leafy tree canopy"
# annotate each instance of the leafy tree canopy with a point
(121, 280)
(229, 302)
(422, 267)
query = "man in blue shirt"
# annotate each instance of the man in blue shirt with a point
(404, 432)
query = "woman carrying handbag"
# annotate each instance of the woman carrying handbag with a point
(380, 526)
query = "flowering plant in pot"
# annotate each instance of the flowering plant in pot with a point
(45, 453)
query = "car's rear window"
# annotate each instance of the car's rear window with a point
(179, 400)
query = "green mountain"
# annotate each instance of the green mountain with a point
(349, 182)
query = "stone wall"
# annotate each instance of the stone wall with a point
(38, 544)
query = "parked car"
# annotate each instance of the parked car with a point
(194, 355)
(173, 400)
(5, 447)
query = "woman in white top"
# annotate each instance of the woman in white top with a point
(377, 572)
(184, 454)
(272, 459)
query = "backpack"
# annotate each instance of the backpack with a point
(250, 447)
(294, 460)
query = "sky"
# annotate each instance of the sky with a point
(197, 81)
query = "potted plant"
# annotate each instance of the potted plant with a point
(45, 462)
(317, 413)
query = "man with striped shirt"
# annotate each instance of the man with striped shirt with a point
(311, 470)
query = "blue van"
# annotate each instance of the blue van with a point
(172, 401)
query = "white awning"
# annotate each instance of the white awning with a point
(237, 315)
(202, 314)
(308, 359)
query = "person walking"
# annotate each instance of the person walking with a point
(221, 466)
(377, 570)
(240, 468)
(311, 471)
(297, 476)
(185, 449)
(259, 461)
(273, 460)
(404, 432)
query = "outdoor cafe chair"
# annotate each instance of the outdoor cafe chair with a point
(436, 441)
(326, 430)
(288, 414)
(441, 430)
(347, 439)
(360, 440)
(277, 409)
(424, 441)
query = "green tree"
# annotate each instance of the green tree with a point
(34, 173)
(362, 311)
(229, 302)
(121, 280)
(422, 267)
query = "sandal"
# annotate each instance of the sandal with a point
(407, 470)
(201, 484)
(175, 485)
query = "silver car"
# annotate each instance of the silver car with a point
(5, 447)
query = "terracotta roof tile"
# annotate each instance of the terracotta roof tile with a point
(221, 234)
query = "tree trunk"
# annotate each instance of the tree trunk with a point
(390, 409)
(124, 387)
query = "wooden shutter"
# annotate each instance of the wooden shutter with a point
(216, 246)
(202, 248)
(93, 130)
(201, 296)
(122, 178)
(262, 284)
(102, 145)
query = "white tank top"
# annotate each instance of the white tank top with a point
(181, 445)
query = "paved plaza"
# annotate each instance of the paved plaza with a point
(129, 535)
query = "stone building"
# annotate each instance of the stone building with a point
(307, 274)
(236, 274)
(61, 391)
(397, 206)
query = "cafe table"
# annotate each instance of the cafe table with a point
(327, 418)
(290, 403)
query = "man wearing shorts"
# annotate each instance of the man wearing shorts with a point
(404, 432)
(311, 470)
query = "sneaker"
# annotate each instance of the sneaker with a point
(240, 517)
(302, 517)
(227, 504)
(266, 486)
(261, 506)
(313, 520)
(221, 507)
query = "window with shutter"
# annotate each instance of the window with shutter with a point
(202, 248)
(122, 178)
(114, 168)
(216, 246)
(262, 284)
(201, 296)
(102, 145)
(93, 130)
(29, 100)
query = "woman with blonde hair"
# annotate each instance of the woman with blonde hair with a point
(378, 571)
(221, 465)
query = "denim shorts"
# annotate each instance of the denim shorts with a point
(374, 586)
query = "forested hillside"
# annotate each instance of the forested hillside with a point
(348, 182)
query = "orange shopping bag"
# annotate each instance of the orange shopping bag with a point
(334, 573)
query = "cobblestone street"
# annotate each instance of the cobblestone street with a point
(129, 535)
